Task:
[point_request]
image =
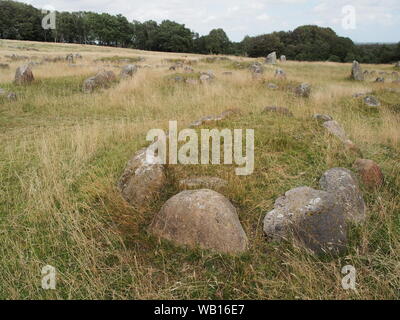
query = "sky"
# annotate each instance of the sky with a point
(360, 20)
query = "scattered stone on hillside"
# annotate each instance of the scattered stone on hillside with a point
(192, 81)
(303, 90)
(271, 58)
(77, 56)
(201, 218)
(366, 73)
(227, 73)
(359, 95)
(178, 79)
(53, 59)
(370, 173)
(2, 92)
(205, 78)
(352, 147)
(101, 80)
(372, 101)
(322, 117)
(279, 110)
(24, 75)
(128, 71)
(342, 183)
(279, 73)
(272, 86)
(356, 72)
(214, 118)
(397, 65)
(142, 179)
(4, 66)
(70, 58)
(256, 68)
(15, 57)
(336, 129)
(380, 79)
(172, 68)
(212, 183)
(229, 113)
(283, 58)
(188, 69)
(11, 96)
(312, 218)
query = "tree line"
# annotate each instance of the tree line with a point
(21, 21)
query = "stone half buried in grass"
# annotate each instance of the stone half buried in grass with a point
(322, 117)
(102, 79)
(343, 184)
(372, 101)
(24, 75)
(303, 90)
(370, 173)
(201, 218)
(128, 71)
(334, 128)
(312, 218)
(142, 180)
(278, 110)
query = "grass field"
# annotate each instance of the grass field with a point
(62, 152)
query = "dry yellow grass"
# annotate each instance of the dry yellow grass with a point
(62, 152)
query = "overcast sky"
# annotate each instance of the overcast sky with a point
(376, 20)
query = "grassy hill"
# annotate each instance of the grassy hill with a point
(62, 152)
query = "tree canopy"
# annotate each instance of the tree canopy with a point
(308, 43)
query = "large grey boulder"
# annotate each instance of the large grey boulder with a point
(142, 180)
(271, 58)
(283, 58)
(278, 110)
(256, 68)
(312, 218)
(24, 75)
(343, 184)
(356, 72)
(70, 58)
(128, 71)
(201, 218)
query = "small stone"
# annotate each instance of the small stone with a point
(322, 117)
(372, 101)
(128, 71)
(336, 129)
(370, 173)
(272, 86)
(279, 73)
(24, 75)
(279, 110)
(303, 90)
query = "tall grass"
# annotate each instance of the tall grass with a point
(62, 152)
